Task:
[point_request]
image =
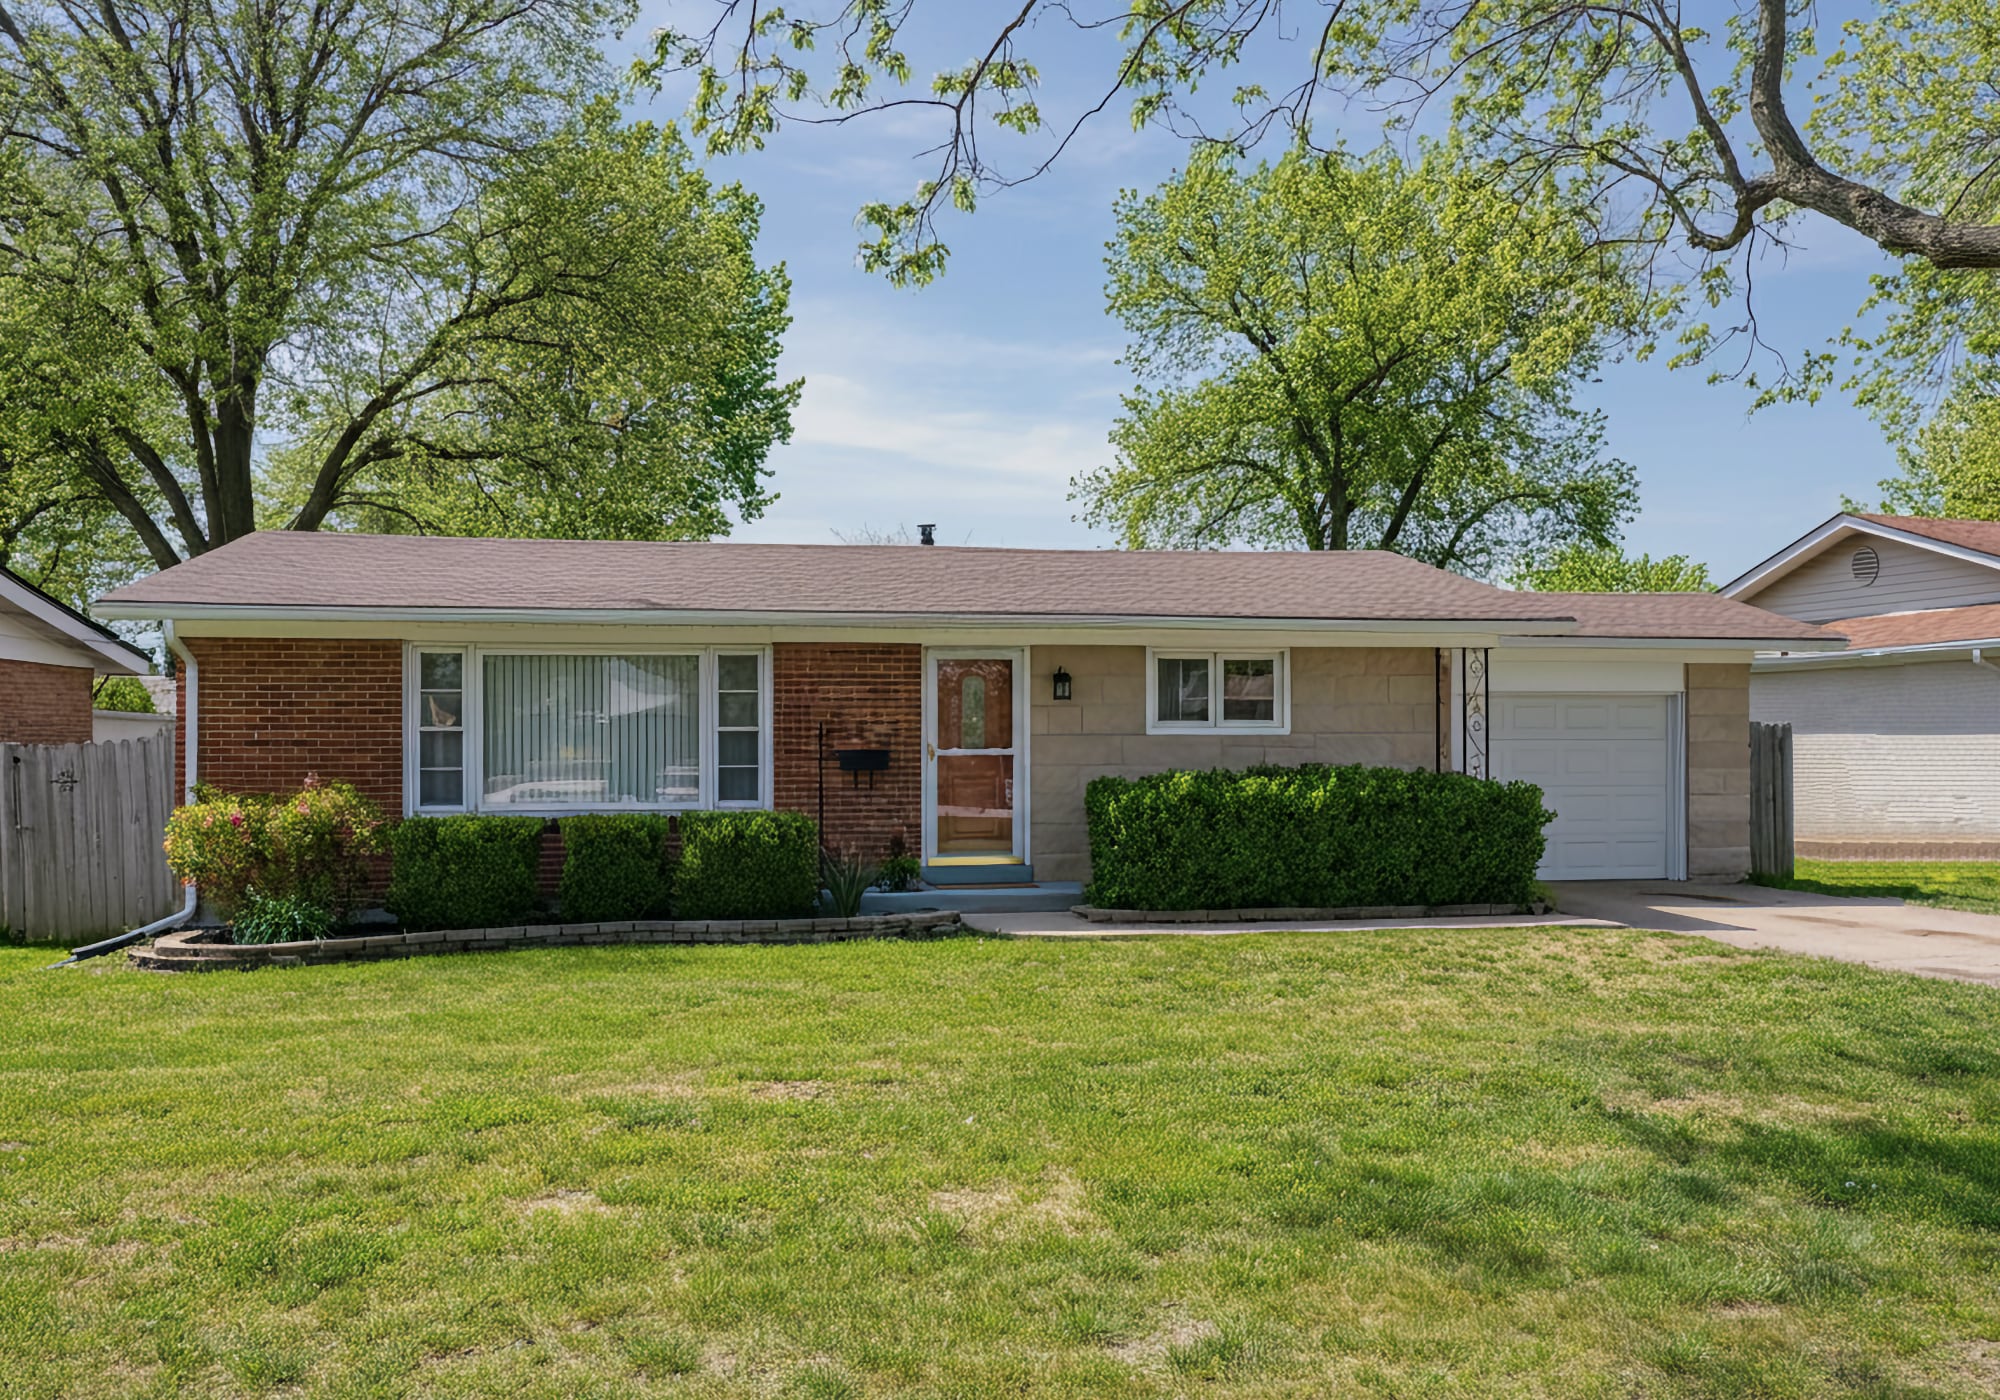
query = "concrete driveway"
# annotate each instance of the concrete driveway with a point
(1885, 933)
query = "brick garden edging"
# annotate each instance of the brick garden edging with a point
(202, 950)
(1303, 916)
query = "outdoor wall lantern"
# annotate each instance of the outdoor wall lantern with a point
(1062, 684)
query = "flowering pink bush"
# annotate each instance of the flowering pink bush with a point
(312, 845)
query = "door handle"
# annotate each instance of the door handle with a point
(930, 753)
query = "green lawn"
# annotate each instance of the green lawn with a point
(1538, 1163)
(1945, 884)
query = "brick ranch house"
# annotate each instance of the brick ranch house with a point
(50, 656)
(956, 700)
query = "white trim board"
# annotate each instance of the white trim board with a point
(87, 646)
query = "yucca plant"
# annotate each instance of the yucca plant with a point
(847, 878)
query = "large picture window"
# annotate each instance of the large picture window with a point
(552, 732)
(1217, 692)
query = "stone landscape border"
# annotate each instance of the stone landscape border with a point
(204, 949)
(1304, 916)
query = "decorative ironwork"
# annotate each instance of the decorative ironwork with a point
(1443, 709)
(1473, 709)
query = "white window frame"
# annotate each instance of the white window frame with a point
(1281, 709)
(474, 724)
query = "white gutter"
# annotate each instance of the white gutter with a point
(693, 617)
(1938, 651)
(187, 719)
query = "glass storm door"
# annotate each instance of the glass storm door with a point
(974, 721)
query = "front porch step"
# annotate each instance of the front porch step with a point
(1048, 897)
(979, 874)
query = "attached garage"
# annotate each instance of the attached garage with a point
(1606, 765)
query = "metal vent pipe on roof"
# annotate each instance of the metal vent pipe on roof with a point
(926, 534)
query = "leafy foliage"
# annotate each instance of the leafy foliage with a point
(464, 871)
(615, 866)
(1951, 465)
(1583, 569)
(1311, 837)
(899, 872)
(289, 918)
(255, 270)
(313, 845)
(1341, 352)
(126, 694)
(747, 865)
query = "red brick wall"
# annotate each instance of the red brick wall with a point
(870, 697)
(41, 704)
(271, 710)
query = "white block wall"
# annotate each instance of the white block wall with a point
(1890, 753)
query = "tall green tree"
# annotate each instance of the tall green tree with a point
(1581, 568)
(1951, 465)
(389, 262)
(1355, 353)
(1686, 117)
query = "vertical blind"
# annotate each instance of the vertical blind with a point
(591, 730)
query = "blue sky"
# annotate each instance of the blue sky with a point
(974, 401)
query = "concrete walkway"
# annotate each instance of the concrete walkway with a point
(1884, 933)
(1068, 925)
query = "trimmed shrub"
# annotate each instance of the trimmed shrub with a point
(463, 872)
(292, 918)
(313, 844)
(1311, 837)
(615, 867)
(747, 865)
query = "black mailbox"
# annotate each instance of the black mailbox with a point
(862, 760)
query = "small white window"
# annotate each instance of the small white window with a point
(441, 730)
(739, 729)
(1218, 692)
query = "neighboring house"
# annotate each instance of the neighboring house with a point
(1896, 741)
(971, 693)
(49, 656)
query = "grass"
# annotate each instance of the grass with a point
(1491, 1163)
(1942, 884)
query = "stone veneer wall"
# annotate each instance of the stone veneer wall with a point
(44, 704)
(1349, 705)
(1718, 772)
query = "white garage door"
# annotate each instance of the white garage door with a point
(1602, 763)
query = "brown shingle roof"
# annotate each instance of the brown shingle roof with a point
(1681, 615)
(284, 571)
(1981, 535)
(1978, 623)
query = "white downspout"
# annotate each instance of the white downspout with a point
(186, 718)
(1979, 659)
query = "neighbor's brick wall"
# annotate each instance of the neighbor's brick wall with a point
(43, 704)
(271, 710)
(1718, 772)
(1374, 705)
(870, 697)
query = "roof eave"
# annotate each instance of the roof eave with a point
(1915, 651)
(115, 655)
(689, 617)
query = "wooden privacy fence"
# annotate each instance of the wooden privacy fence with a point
(80, 833)
(1771, 800)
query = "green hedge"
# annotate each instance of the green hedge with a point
(464, 872)
(1311, 837)
(747, 865)
(615, 867)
